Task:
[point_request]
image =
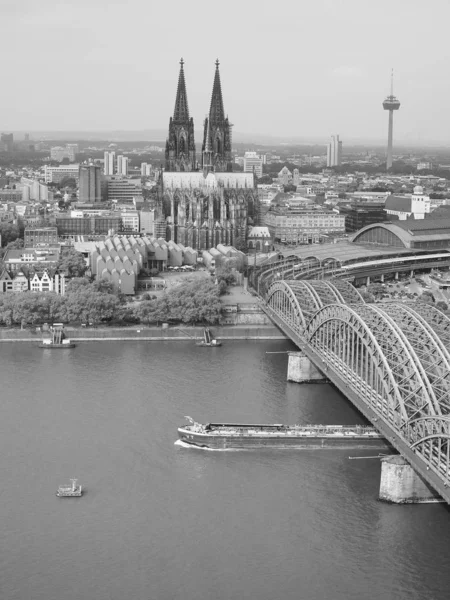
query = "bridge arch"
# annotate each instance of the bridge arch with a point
(282, 299)
(373, 359)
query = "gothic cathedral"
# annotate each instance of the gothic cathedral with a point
(203, 203)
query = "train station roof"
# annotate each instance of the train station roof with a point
(423, 234)
(342, 251)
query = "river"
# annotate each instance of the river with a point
(159, 521)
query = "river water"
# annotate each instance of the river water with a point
(160, 521)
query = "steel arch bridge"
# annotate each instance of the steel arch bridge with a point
(392, 361)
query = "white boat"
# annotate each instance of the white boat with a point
(70, 491)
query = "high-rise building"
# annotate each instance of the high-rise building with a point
(122, 165)
(334, 152)
(90, 184)
(108, 163)
(180, 145)
(7, 140)
(253, 163)
(391, 103)
(146, 169)
(216, 148)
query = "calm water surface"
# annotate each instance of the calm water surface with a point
(163, 522)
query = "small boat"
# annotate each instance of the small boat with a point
(70, 491)
(208, 340)
(57, 338)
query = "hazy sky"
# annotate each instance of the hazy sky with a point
(303, 69)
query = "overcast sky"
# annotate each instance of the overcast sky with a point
(298, 69)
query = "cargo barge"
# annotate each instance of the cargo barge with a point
(222, 436)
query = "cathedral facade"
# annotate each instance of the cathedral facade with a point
(204, 203)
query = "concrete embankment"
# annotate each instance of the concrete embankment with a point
(150, 334)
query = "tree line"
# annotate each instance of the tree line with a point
(87, 302)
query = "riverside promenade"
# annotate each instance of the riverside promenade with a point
(150, 334)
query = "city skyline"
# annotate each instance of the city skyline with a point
(283, 91)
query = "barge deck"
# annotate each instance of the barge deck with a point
(254, 436)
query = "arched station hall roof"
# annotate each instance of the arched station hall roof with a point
(408, 234)
(342, 251)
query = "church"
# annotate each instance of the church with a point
(204, 203)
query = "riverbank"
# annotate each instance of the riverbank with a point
(151, 334)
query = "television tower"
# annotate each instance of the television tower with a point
(390, 103)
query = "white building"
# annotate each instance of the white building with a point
(334, 152)
(108, 163)
(130, 220)
(43, 282)
(416, 205)
(253, 163)
(147, 222)
(146, 169)
(122, 165)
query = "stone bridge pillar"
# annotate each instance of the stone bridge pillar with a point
(399, 483)
(302, 370)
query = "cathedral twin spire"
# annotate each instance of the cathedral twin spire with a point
(216, 147)
(181, 112)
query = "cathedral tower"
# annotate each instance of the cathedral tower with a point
(180, 145)
(216, 148)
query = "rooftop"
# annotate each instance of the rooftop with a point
(342, 251)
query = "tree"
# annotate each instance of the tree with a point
(442, 305)
(77, 283)
(9, 232)
(68, 182)
(88, 306)
(226, 274)
(72, 263)
(192, 302)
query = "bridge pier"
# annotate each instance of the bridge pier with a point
(302, 370)
(401, 484)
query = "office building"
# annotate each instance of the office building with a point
(302, 225)
(88, 225)
(123, 190)
(334, 152)
(130, 220)
(146, 169)
(40, 236)
(90, 184)
(108, 163)
(57, 174)
(253, 163)
(122, 165)
(147, 221)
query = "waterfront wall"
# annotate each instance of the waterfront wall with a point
(150, 334)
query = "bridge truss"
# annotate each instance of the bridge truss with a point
(391, 360)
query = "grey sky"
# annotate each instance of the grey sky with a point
(304, 69)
